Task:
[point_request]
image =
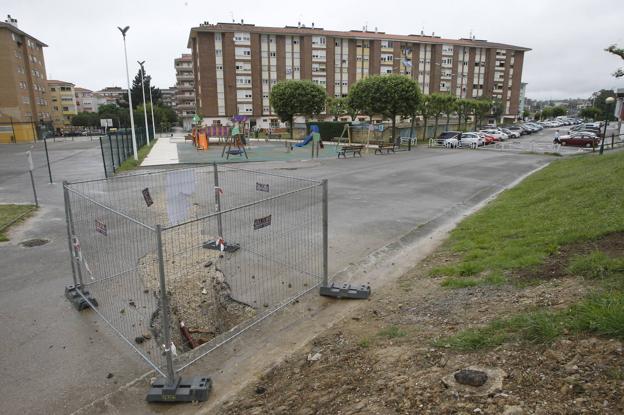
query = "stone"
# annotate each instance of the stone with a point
(513, 410)
(471, 377)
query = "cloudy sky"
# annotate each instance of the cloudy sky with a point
(567, 37)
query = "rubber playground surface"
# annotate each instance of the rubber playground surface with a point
(257, 150)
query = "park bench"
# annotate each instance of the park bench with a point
(353, 148)
(385, 146)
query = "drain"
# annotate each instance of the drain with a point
(34, 242)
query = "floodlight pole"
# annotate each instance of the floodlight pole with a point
(144, 105)
(152, 108)
(134, 144)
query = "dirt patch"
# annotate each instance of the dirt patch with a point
(383, 360)
(31, 243)
(556, 264)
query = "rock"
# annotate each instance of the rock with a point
(207, 264)
(513, 410)
(260, 390)
(110, 375)
(147, 335)
(204, 291)
(571, 368)
(471, 377)
(314, 357)
(139, 339)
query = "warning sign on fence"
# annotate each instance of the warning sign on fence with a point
(100, 227)
(262, 222)
(148, 198)
(261, 187)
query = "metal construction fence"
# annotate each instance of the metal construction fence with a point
(179, 262)
(116, 147)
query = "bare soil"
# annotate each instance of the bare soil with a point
(383, 360)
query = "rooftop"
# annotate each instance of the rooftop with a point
(57, 82)
(358, 34)
(14, 29)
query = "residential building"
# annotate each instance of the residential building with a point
(112, 94)
(87, 100)
(185, 86)
(235, 66)
(24, 103)
(62, 103)
(522, 99)
(168, 96)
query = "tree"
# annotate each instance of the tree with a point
(481, 108)
(137, 94)
(464, 108)
(425, 112)
(436, 106)
(86, 119)
(547, 113)
(559, 111)
(599, 102)
(537, 116)
(618, 52)
(297, 97)
(336, 107)
(526, 113)
(389, 96)
(449, 109)
(592, 113)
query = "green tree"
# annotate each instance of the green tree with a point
(86, 119)
(547, 113)
(425, 111)
(481, 108)
(599, 102)
(592, 113)
(464, 107)
(526, 114)
(336, 107)
(436, 105)
(137, 95)
(390, 96)
(297, 97)
(449, 109)
(617, 52)
(559, 111)
(537, 116)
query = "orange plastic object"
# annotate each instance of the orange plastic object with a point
(202, 143)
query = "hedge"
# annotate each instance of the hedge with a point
(328, 129)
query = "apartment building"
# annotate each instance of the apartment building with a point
(168, 96)
(185, 90)
(87, 100)
(236, 65)
(62, 103)
(112, 94)
(24, 103)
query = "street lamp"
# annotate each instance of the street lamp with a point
(144, 106)
(134, 144)
(608, 101)
(152, 109)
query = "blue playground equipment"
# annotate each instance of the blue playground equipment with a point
(308, 138)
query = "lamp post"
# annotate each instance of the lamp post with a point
(608, 101)
(134, 144)
(144, 105)
(152, 109)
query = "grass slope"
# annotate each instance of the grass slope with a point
(11, 214)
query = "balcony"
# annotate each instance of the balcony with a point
(185, 76)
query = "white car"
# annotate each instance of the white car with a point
(510, 133)
(471, 139)
(449, 139)
(496, 134)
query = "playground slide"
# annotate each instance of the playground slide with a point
(305, 141)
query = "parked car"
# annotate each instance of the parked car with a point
(518, 129)
(497, 134)
(510, 133)
(471, 139)
(449, 139)
(580, 139)
(487, 139)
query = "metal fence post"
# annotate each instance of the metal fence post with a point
(69, 232)
(110, 143)
(325, 240)
(103, 162)
(217, 199)
(164, 307)
(612, 139)
(76, 253)
(45, 144)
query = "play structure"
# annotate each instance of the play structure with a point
(237, 140)
(315, 138)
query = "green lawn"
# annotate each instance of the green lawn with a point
(11, 214)
(570, 201)
(131, 163)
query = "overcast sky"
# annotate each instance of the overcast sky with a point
(567, 37)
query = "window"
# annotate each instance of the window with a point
(243, 52)
(22, 84)
(243, 80)
(387, 57)
(25, 100)
(241, 37)
(387, 44)
(318, 41)
(218, 52)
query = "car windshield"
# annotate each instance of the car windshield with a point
(448, 134)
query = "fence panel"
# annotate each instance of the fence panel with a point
(274, 221)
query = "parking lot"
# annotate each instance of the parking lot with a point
(57, 360)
